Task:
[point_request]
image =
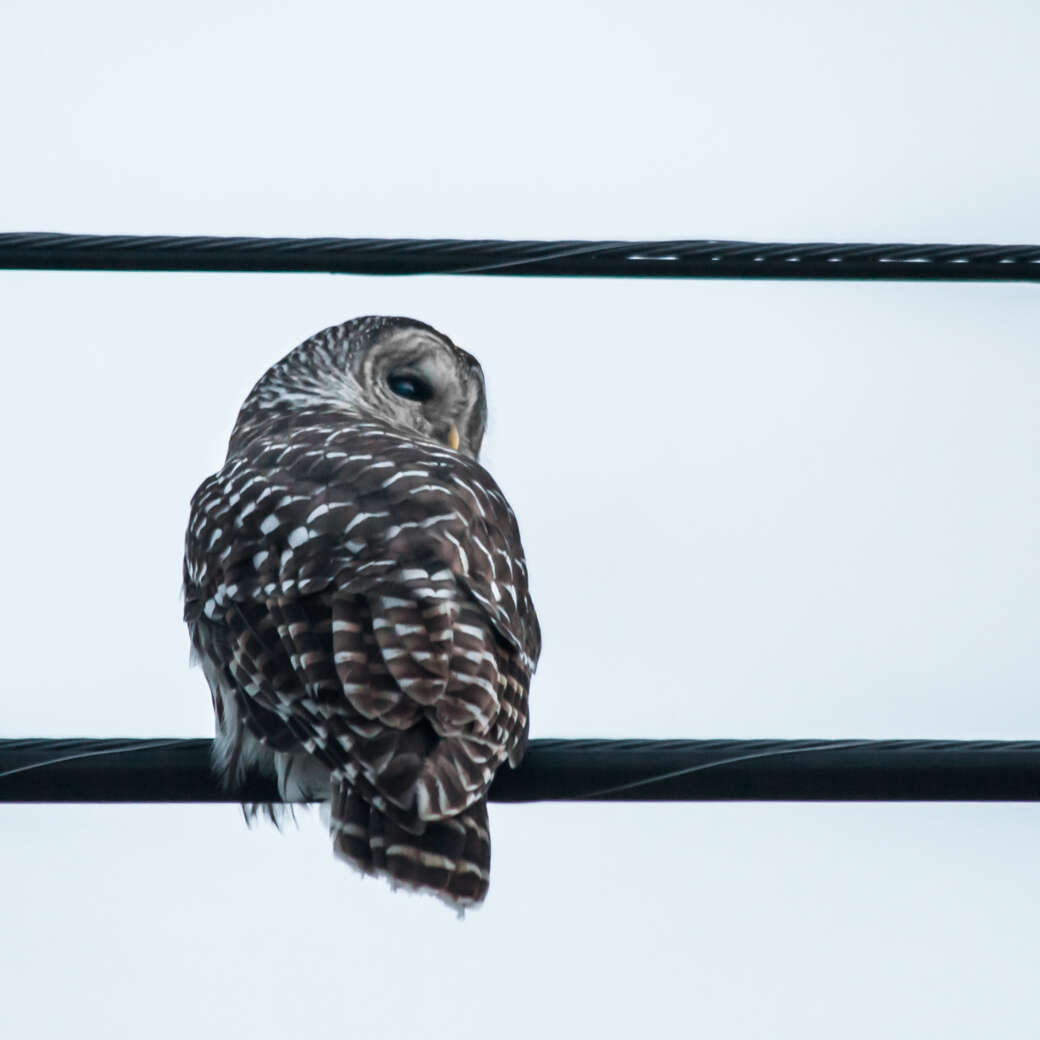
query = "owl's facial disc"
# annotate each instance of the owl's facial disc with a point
(418, 380)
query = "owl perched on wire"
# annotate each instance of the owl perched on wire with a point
(356, 591)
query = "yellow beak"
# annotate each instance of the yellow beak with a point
(453, 437)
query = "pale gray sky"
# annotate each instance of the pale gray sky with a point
(750, 510)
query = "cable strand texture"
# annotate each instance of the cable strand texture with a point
(697, 258)
(172, 770)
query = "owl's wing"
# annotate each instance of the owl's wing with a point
(375, 602)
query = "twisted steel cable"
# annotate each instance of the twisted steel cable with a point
(707, 258)
(173, 770)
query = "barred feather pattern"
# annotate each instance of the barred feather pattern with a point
(358, 598)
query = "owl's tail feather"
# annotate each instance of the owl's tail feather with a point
(450, 859)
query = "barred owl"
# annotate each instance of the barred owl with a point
(356, 592)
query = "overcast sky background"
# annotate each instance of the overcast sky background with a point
(750, 509)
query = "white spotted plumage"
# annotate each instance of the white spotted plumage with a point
(356, 590)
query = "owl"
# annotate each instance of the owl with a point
(357, 596)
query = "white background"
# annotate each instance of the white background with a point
(750, 509)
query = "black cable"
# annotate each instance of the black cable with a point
(678, 259)
(42, 770)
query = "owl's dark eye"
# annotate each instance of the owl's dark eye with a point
(412, 387)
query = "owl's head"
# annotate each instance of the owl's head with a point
(398, 370)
